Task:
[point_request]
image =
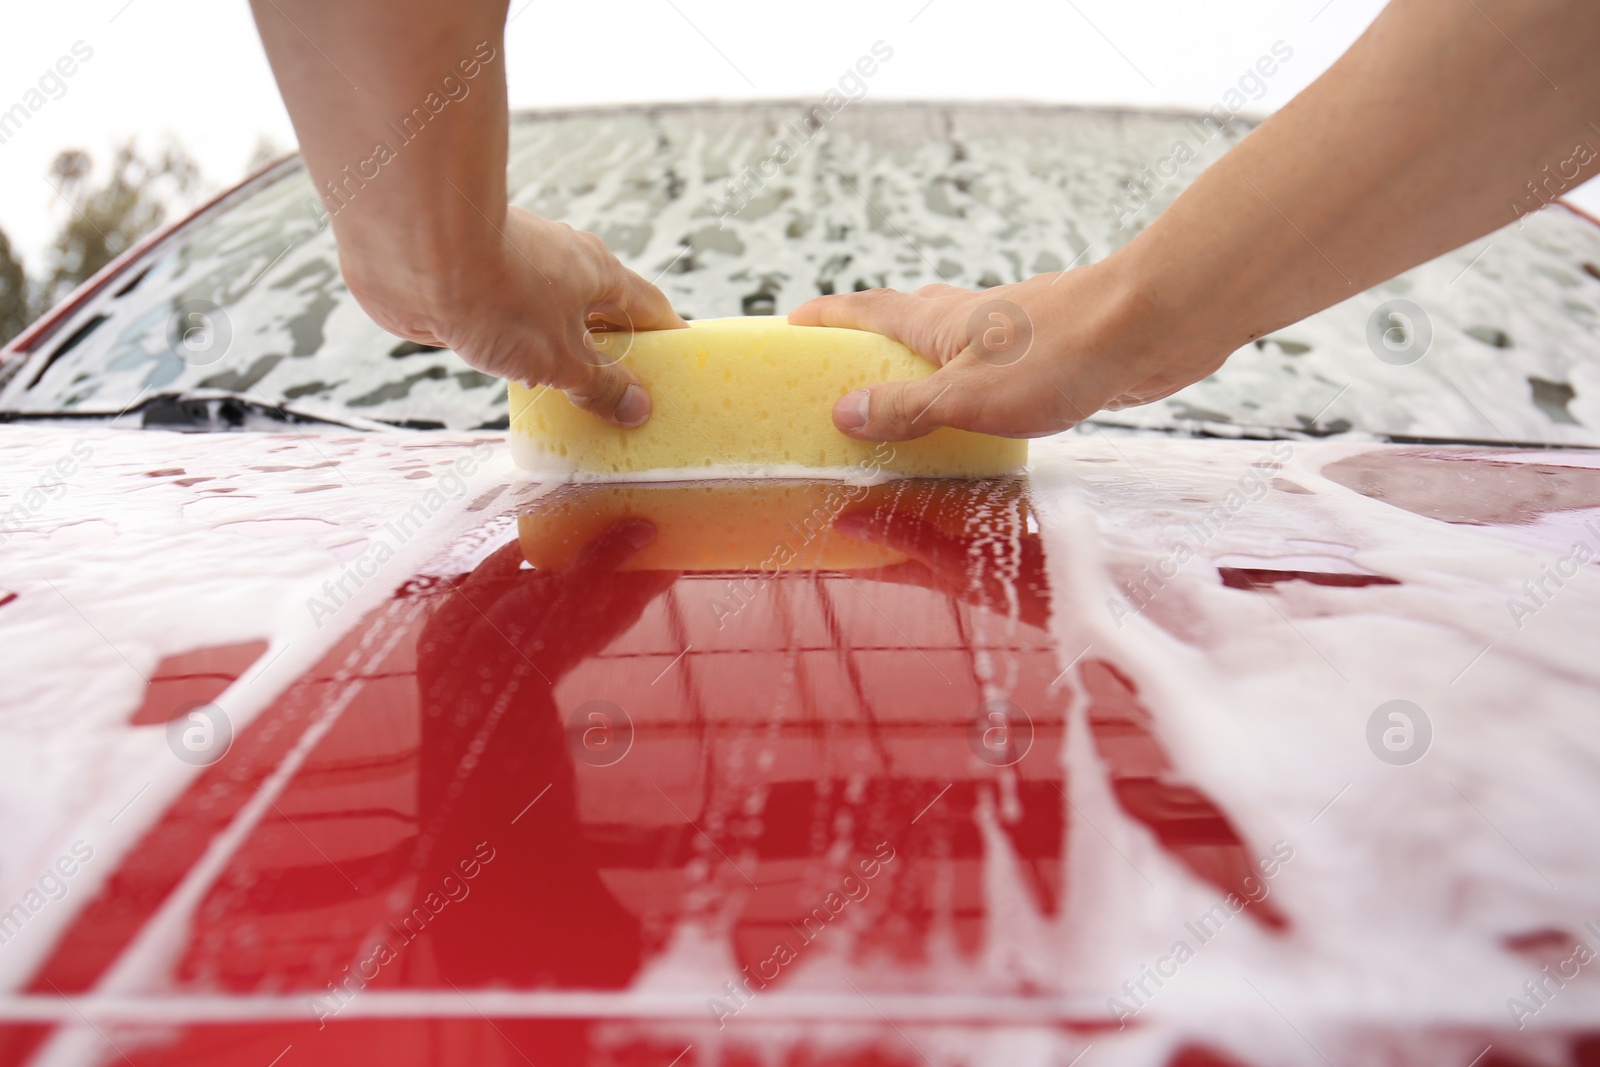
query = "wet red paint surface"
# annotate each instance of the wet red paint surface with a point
(191, 678)
(818, 765)
(544, 779)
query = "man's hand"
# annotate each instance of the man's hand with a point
(524, 308)
(400, 108)
(1022, 360)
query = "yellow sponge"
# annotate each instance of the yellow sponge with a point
(754, 395)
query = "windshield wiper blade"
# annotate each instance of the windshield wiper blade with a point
(207, 413)
(1202, 430)
(201, 413)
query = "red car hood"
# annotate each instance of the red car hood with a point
(1193, 751)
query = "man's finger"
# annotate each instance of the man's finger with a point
(594, 378)
(913, 321)
(900, 411)
(936, 290)
(641, 306)
(611, 393)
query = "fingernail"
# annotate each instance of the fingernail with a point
(850, 412)
(635, 407)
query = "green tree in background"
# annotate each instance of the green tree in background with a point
(108, 217)
(102, 221)
(14, 313)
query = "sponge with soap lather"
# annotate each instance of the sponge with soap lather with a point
(754, 395)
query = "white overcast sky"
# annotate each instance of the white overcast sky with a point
(194, 69)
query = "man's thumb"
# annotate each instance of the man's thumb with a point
(895, 411)
(612, 394)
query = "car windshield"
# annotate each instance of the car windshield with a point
(752, 209)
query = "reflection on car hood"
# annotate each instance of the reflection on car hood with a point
(981, 780)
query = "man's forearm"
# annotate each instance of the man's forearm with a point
(1421, 138)
(400, 108)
